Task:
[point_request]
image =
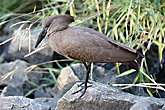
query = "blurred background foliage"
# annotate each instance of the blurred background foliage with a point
(136, 23)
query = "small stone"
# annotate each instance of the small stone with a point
(66, 76)
(43, 92)
(13, 73)
(22, 103)
(11, 91)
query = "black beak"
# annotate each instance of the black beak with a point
(41, 37)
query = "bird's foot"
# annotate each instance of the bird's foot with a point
(82, 89)
(82, 82)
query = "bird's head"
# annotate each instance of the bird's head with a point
(54, 23)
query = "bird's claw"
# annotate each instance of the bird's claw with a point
(82, 82)
(83, 88)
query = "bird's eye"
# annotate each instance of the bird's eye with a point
(47, 25)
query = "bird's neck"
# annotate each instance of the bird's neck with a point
(57, 28)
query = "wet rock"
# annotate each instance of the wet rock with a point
(11, 91)
(103, 97)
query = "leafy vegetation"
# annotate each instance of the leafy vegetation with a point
(136, 23)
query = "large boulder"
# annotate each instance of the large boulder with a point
(38, 57)
(14, 76)
(104, 97)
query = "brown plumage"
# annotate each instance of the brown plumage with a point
(84, 44)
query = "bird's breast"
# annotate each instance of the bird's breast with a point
(55, 42)
(59, 43)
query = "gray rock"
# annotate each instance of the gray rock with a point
(146, 106)
(148, 103)
(32, 77)
(8, 29)
(11, 91)
(3, 47)
(14, 72)
(99, 73)
(43, 92)
(2, 57)
(38, 57)
(57, 94)
(51, 102)
(22, 103)
(66, 76)
(79, 70)
(163, 108)
(103, 97)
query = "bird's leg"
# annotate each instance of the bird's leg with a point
(88, 67)
(84, 88)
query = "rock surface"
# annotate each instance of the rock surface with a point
(77, 72)
(11, 91)
(13, 73)
(66, 76)
(97, 97)
(14, 52)
(14, 77)
(103, 97)
(43, 92)
(8, 29)
(22, 103)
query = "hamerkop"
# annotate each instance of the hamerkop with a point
(85, 45)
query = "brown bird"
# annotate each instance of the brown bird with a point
(85, 45)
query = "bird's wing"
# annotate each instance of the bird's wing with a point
(85, 44)
(98, 34)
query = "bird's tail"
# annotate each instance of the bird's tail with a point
(133, 65)
(140, 56)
